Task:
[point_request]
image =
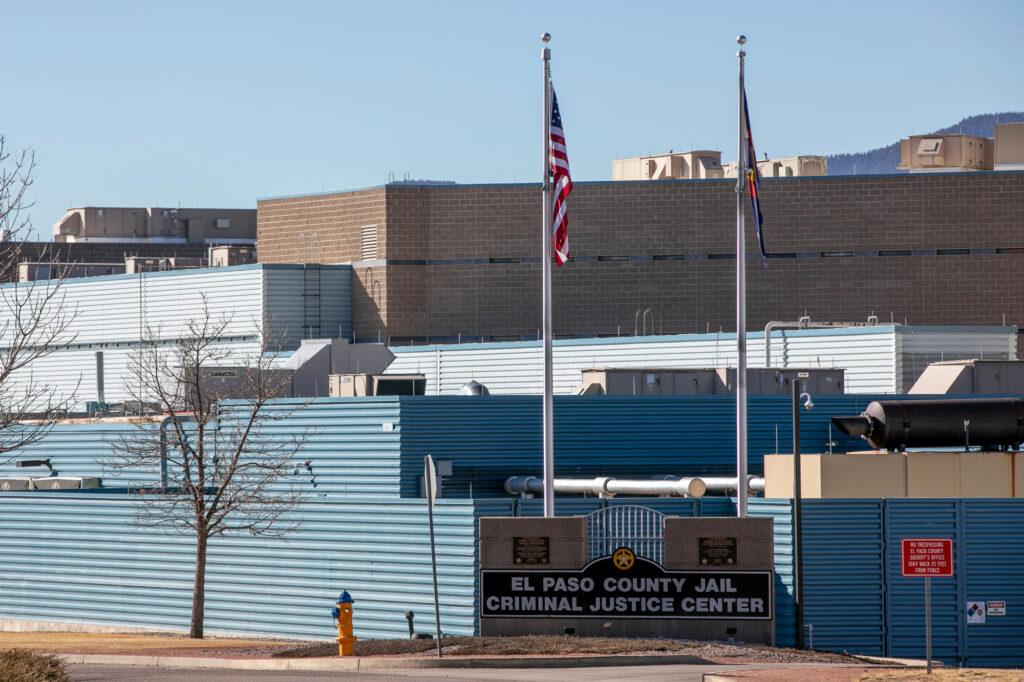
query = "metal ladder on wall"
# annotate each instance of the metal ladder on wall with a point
(311, 286)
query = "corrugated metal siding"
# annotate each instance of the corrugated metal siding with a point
(106, 309)
(343, 439)
(317, 295)
(869, 354)
(914, 519)
(844, 575)
(351, 443)
(79, 558)
(490, 438)
(73, 372)
(991, 566)
(107, 318)
(78, 450)
(782, 524)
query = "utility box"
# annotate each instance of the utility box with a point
(971, 377)
(133, 265)
(355, 385)
(221, 256)
(606, 381)
(65, 483)
(15, 483)
(699, 381)
(779, 380)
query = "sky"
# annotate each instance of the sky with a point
(216, 103)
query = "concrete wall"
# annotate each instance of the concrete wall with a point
(462, 260)
(912, 474)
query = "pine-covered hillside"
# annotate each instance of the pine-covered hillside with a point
(885, 159)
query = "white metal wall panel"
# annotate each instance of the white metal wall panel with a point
(919, 346)
(118, 307)
(871, 356)
(73, 373)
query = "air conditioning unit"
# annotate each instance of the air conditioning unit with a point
(9, 483)
(65, 482)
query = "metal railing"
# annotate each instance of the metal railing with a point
(635, 527)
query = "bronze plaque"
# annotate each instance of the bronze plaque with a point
(531, 550)
(717, 551)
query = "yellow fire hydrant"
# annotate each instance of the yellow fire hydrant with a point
(343, 614)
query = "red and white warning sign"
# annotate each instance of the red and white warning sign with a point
(927, 557)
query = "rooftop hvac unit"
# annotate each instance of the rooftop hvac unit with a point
(353, 385)
(15, 483)
(65, 482)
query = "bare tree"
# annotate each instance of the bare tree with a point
(220, 472)
(35, 320)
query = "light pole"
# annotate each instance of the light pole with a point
(798, 568)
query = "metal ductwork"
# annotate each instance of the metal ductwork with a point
(992, 423)
(474, 388)
(606, 486)
(805, 323)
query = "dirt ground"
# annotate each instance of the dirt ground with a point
(875, 675)
(176, 645)
(945, 675)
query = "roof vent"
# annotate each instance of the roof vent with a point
(474, 388)
(368, 242)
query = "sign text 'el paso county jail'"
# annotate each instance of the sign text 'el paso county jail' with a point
(624, 586)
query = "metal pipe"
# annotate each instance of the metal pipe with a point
(605, 486)
(798, 571)
(741, 294)
(804, 323)
(163, 450)
(100, 396)
(547, 413)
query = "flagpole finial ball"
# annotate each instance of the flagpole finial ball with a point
(741, 40)
(546, 37)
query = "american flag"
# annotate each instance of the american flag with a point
(753, 179)
(558, 158)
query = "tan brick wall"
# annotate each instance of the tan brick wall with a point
(321, 228)
(663, 220)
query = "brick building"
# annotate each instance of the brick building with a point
(434, 262)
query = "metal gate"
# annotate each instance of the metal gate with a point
(639, 528)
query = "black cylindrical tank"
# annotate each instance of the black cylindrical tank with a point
(991, 423)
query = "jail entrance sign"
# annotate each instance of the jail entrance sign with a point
(623, 585)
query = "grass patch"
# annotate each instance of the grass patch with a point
(19, 665)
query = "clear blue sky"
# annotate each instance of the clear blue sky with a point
(206, 103)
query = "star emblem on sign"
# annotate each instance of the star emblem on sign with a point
(623, 559)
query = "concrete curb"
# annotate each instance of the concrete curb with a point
(906, 662)
(376, 663)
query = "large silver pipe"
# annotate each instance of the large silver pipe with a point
(604, 486)
(726, 484)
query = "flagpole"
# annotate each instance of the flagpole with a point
(545, 262)
(741, 307)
